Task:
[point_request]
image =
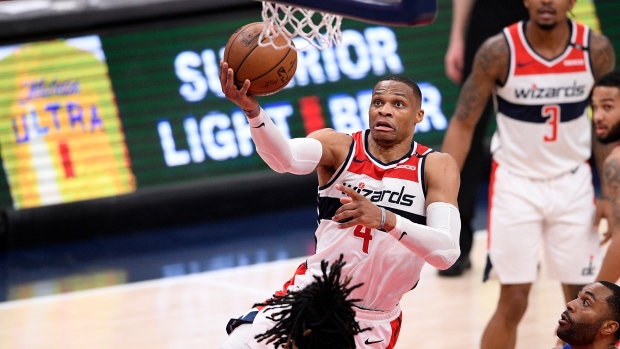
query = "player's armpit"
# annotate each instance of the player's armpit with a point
(298, 156)
(437, 242)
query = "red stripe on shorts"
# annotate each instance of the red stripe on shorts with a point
(395, 324)
(301, 270)
(490, 203)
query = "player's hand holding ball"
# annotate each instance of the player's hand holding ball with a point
(249, 69)
(238, 96)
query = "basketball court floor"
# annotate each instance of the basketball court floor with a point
(178, 288)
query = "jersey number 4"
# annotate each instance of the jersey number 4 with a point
(552, 112)
(363, 233)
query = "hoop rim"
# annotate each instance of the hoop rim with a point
(406, 13)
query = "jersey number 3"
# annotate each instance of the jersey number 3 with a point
(552, 112)
(363, 233)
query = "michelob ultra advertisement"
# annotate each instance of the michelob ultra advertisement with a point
(61, 138)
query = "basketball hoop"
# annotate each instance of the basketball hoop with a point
(319, 29)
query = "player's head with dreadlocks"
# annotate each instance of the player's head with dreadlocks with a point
(317, 316)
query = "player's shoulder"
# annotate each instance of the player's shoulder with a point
(602, 54)
(329, 135)
(600, 44)
(443, 162)
(613, 159)
(493, 56)
(336, 143)
(495, 45)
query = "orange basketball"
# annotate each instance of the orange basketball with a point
(268, 69)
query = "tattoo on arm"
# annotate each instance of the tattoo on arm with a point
(612, 179)
(490, 67)
(602, 55)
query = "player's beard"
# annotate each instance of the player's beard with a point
(546, 26)
(580, 333)
(612, 136)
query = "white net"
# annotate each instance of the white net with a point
(319, 29)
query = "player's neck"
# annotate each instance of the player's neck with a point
(548, 43)
(387, 153)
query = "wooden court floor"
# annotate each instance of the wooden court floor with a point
(191, 311)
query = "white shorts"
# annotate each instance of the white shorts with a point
(558, 212)
(385, 328)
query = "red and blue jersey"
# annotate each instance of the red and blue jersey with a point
(543, 129)
(384, 265)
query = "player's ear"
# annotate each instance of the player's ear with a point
(526, 3)
(419, 116)
(609, 327)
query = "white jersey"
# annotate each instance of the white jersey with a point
(386, 268)
(543, 129)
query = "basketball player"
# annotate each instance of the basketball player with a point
(474, 21)
(591, 320)
(318, 316)
(540, 72)
(606, 114)
(386, 202)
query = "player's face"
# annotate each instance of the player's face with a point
(546, 14)
(585, 315)
(394, 111)
(606, 113)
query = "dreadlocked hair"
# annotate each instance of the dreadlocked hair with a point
(317, 316)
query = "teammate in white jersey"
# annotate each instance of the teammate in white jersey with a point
(387, 203)
(540, 73)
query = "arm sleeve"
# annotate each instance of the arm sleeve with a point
(298, 156)
(437, 242)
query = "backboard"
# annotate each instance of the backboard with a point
(387, 12)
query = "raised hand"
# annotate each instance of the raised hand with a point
(238, 96)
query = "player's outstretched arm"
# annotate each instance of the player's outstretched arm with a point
(298, 156)
(609, 270)
(490, 65)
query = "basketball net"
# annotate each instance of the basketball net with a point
(291, 22)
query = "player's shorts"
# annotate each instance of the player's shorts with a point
(555, 216)
(384, 328)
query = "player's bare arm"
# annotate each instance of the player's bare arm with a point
(611, 171)
(603, 61)
(490, 67)
(602, 55)
(442, 177)
(335, 149)
(609, 270)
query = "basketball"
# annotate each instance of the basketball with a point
(268, 69)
